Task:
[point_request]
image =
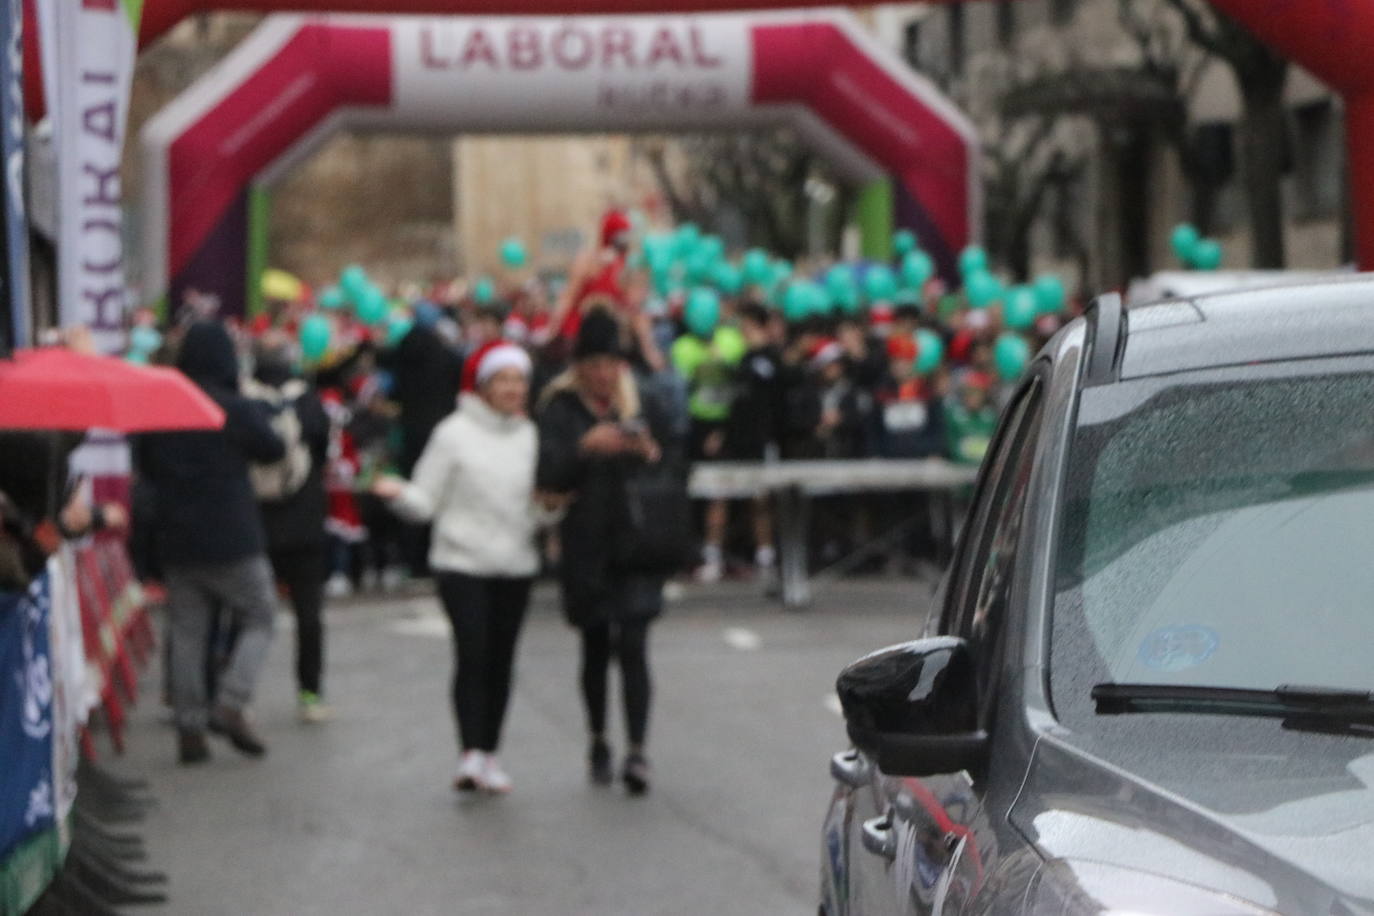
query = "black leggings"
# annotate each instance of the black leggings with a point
(486, 613)
(629, 642)
(303, 572)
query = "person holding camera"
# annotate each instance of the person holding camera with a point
(598, 434)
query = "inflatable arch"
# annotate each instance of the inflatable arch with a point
(298, 79)
(1331, 38)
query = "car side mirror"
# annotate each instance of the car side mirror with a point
(913, 707)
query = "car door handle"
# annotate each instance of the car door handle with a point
(879, 838)
(850, 768)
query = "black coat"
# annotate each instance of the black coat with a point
(427, 375)
(757, 414)
(594, 530)
(204, 505)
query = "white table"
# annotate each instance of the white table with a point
(793, 483)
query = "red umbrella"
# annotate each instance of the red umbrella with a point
(53, 388)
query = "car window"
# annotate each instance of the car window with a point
(1216, 533)
(984, 579)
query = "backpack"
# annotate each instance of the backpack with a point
(283, 478)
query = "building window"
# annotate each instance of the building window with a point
(1061, 11)
(911, 43)
(956, 38)
(1006, 23)
(1317, 161)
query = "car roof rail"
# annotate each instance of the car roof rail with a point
(1107, 323)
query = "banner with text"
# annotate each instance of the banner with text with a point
(96, 44)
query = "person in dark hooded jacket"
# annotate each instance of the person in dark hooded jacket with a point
(294, 520)
(212, 547)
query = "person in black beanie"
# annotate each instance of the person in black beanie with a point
(596, 428)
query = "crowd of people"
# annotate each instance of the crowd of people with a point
(483, 432)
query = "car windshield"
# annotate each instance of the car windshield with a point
(1219, 531)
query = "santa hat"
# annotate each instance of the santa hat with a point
(977, 380)
(881, 317)
(613, 224)
(823, 352)
(491, 358)
(901, 347)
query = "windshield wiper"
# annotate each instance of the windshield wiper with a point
(1287, 701)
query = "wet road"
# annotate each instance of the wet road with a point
(356, 816)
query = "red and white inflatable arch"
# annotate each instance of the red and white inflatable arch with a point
(299, 78)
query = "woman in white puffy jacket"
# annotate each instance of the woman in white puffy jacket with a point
(475, 482)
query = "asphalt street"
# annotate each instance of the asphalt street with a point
(357, 815)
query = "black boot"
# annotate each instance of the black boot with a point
(599, 762)
(191, 747)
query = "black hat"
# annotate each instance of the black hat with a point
(598, 336)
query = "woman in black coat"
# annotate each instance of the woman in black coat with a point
(596, 429)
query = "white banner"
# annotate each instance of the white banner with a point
(93, 47)
(576, 73)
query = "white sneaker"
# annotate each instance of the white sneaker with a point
(494, 779)
(710, 573)
(471, 772)
(393, 577)
(338, 586)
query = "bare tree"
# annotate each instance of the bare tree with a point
(1261, 76)
(762, 176)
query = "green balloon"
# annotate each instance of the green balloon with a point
(711, 247)
(757, 270)
(397, 327)
(973, 260)
(782, 271)
(702, 312)
(839, 279)
(658, 251)
(1049, 294)
(331, 298)
(314, 337)
(700, 268)
(1020, 308)
(903, 242)
(1207, 254)
(484, 291)
(513, 253)
(930, 351)
(354, 282)
(982, 289)
(372, 308)
(685, 240)
(728, 278)
(880, 283)
(822, 303)
(797, 302)
(1182, 240)
(917, 269)
(1010, 354)
(846, 299)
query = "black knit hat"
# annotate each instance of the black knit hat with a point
(598, 336)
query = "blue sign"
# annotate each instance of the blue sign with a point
(26, 716)
(15, 291)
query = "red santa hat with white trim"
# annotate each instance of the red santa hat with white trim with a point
(491, 358)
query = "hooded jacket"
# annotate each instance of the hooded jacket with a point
(205, 510)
